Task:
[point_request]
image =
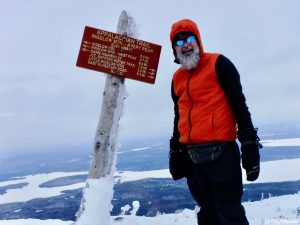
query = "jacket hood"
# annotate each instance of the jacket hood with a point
(189, 26)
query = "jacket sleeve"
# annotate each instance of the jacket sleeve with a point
(229, 79)
(174, 141)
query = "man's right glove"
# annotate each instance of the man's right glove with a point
(179, 162)
(250, 152)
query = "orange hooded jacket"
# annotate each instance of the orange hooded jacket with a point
(204, 111)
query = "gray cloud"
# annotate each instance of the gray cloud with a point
(46, 101)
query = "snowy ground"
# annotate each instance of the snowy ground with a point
(276, 210)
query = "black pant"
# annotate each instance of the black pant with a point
(217, 188)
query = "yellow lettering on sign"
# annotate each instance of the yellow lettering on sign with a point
(102, 38)
(130, 64)
(143, 44)
(147, 49)
(132, 46)
(129, 40)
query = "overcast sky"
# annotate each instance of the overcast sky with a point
(47, 102)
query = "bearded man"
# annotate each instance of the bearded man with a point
(210, 114)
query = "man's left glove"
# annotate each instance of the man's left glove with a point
(251, 161)
(179, 162)
(250, 152)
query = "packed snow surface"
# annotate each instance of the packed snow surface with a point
(275, 210)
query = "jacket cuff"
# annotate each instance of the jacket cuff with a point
(248, 136)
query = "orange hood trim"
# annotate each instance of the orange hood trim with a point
(186, 25)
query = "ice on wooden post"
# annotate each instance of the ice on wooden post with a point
(96, 205)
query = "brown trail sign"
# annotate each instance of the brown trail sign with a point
(118, 55)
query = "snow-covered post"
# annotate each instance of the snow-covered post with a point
(97, 195)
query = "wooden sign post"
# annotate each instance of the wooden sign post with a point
(123, 57)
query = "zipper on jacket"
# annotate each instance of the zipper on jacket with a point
(213, 126)
(192, 104)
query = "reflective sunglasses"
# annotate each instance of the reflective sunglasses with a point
(181, 41)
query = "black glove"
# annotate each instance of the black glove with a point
(179, 162)
(250, 152)
(251, 161)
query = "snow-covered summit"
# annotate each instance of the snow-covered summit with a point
(276, 210)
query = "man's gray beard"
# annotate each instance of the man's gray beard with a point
(190, 61)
